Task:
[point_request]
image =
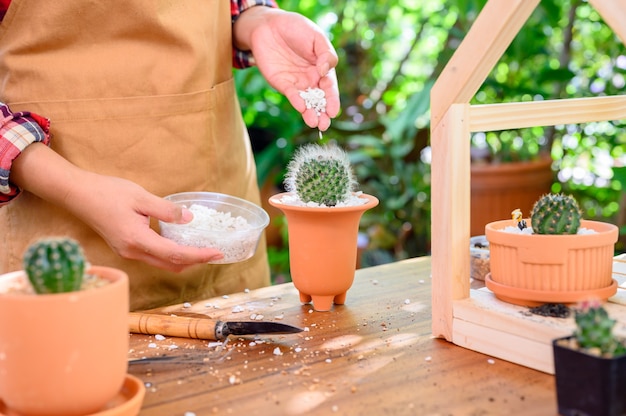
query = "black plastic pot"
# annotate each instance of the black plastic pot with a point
(588, 385)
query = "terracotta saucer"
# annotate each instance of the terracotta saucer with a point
(528, 297)
(127, 402)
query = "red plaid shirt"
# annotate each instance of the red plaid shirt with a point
(18, 130)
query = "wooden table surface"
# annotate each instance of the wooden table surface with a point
(372, 356)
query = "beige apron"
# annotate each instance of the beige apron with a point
(140, 89)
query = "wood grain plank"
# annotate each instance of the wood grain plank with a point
(492, 32)
(450, 177)
(504, 116)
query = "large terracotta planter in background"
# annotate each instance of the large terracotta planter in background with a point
(64, 354)
(497, 189)
(533, 269)
(323, 249)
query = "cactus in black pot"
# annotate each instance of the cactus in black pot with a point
(320, 174)
(555, 214)
(55, 265)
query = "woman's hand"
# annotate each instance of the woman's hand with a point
(120, 211)
(293, 54)
(117, 209)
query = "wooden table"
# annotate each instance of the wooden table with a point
(372, 356)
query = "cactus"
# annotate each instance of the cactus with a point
(594, 330)
(555, 214)
(320, 174)
(55, 265)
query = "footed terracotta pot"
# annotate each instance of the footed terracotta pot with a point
(530, 270)
(63, 354)
(323, 249)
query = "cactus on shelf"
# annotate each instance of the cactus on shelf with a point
(555, 214)
(320, 174)
(55, 265)
(594, 330)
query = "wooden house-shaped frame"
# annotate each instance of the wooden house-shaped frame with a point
(474, 318)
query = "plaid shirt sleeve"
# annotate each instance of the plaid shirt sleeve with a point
(244, 59)
(17, 130)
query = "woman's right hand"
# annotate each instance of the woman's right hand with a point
(117, 209)
(120, 211)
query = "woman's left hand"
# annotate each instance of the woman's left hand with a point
(293, 54)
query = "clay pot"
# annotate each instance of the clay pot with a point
(63, 354)
(496, 189)
(323, 249)
(530, 270)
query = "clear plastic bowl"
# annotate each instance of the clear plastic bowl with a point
(227, 223)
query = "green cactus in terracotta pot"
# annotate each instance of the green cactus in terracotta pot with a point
(321, 174)
(555, 214)
(55, 265)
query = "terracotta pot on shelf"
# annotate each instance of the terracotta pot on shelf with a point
(534, 269)
(496, 189)
(66, 353)
(323, 249)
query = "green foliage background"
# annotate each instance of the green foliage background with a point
(391, 52)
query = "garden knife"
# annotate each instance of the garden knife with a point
(201, 327)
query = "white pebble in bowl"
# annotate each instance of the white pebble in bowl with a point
(236, 246)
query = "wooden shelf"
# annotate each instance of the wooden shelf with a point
(474, 318)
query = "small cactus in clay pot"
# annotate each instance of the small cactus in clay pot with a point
(320, 174)
(555, 214)
(55, 265)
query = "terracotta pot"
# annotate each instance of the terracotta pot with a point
(497, 189)
(533, 269)
(588, 384)
(63, 354)
(323, 249)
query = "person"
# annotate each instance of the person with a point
(111, 106)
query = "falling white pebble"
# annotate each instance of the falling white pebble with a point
(429, 358)
(490, 361)
(159, 337)
(407, 301)
(225, 297)
(186, 305)
(246, 290)
(306, 329)
(328, 360)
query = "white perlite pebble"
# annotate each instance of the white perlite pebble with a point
(314, 98)
(159, 337)
(294, 200)
(207, 230)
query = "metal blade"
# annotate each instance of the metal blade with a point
(253, 327)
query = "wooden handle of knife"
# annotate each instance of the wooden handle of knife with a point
(172, 326)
